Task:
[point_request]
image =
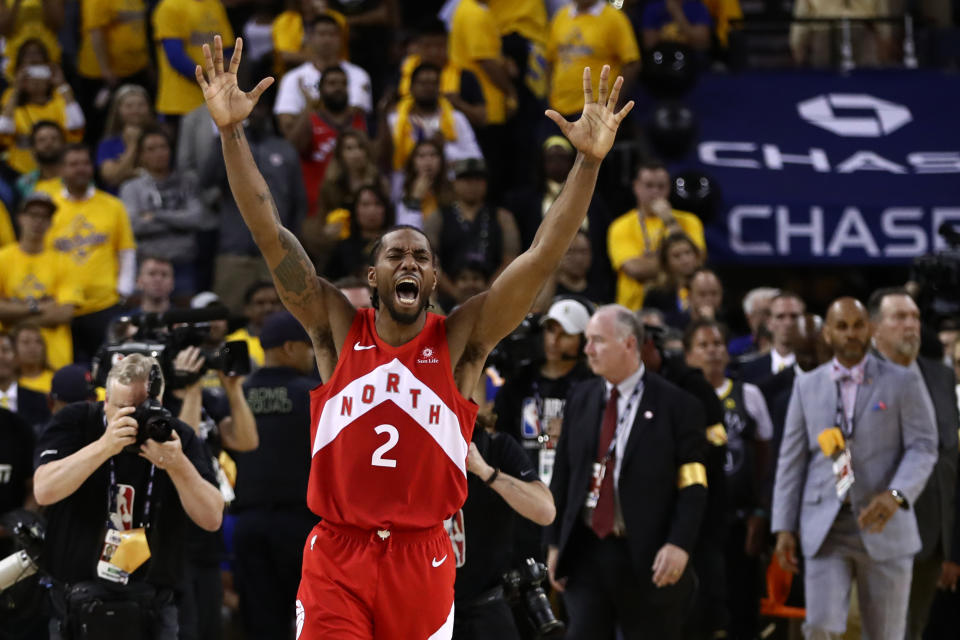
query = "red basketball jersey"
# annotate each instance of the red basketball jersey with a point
(390, 432)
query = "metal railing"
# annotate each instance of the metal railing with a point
(845, 26)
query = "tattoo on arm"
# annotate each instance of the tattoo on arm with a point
(236, 134)
(295, 268)
(265, 197)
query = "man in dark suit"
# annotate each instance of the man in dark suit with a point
(30, 405)
(786, 311)
(630, 488)
(708, 614)
(810, 352)
(896, 336)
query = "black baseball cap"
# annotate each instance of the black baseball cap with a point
(281, 327)
(469, 168)
(72, 383)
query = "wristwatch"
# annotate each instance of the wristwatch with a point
(901, 499)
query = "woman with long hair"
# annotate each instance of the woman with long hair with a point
(129, 114)
(39, 92)
(679, 259)
(351, 167)
(426, 187)
(371, 215)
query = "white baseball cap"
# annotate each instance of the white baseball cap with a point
(204, 299)
(570, 314)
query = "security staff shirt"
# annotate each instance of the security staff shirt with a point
(276, 473)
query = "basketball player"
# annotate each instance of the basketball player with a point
(392, 425)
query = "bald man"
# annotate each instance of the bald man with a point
(857, 449)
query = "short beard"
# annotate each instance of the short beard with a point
(335, 105)
(401, 317)
(49, 157)
(908, 349)
(430, 104)
(858, 355)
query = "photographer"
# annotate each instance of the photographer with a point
(501, 481)
(219, 426)
(530, 404)
(105, 483)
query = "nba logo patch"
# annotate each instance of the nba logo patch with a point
(530, 419)
(122, 518)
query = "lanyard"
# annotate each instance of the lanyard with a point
(113, 490)
(647, 245)
(846, 426)
(622, 419)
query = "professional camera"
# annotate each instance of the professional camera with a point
(21, 596)
(523, 586)
(164, 335)
(522, 347)
(153, 423)
(938, 276)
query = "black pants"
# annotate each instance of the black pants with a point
(493, 142)
(944, 616)
(482, 622)
(200, 603)
(923, 589)
(743, 584)
(268, 546)
(525, 154)
(604, 593)
(90, 332)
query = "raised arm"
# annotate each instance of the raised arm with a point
(320, 307)
(492, 315)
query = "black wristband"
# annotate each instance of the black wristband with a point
(493, 477)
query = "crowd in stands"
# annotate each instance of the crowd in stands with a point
(114, 197)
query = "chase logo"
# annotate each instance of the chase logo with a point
(867, 117)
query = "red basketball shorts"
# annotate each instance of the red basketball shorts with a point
(388, 585)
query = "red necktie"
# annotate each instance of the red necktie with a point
(603, 513)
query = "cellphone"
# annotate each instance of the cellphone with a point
(39, 72)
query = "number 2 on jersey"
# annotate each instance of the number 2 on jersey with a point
(377, 460)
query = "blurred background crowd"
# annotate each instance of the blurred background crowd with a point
(114, 203)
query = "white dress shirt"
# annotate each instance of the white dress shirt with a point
(626, 414)
(778, 362)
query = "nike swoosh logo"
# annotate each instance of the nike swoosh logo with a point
(360, 347)
(46, 451)
(437, 563)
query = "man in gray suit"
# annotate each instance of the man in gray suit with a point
(896, 335)
(865, 531)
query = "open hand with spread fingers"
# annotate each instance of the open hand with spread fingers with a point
(593, 134)
(228, 105)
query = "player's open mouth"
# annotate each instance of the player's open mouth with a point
(408, 291)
